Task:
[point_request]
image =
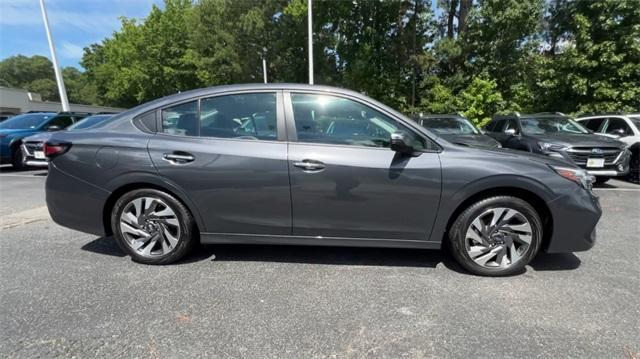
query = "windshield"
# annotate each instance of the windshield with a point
(635, 120)
(26, 121)
(544, 125)
(450, 126)
(90, 121)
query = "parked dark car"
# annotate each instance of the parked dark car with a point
(558, 135)
(456, 129)
(309, 165)
(33, 146)
(16, 128)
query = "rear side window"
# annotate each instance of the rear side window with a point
(491, 127)
(250, 116)
(246, 116)
(181, 119)
(593, 124)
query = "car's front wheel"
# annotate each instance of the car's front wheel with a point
(18, 158)
(153, 226)
(496, 236)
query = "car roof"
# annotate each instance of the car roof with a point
(447, 115)
(216, 90)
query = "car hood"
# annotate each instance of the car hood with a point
(38, 137)
(530, 156)
(472, 140)
(579, 140)
(17, 132)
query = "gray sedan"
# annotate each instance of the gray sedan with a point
(309, 165)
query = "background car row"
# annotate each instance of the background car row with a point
(606, 145)
(22, 136)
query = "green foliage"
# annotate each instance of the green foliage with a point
(36, 74)
(144, 60)
(479, 57)
(481, 100)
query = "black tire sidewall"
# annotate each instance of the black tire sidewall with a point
(17, 158)
(458, 233)
(188, 231)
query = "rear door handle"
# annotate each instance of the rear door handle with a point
(310, 165)
(181, 157)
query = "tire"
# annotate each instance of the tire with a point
(17, 158)
(170, 224)
(506, 252)
(602, 180)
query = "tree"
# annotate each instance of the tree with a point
(594, 62)
(145, 60)
(36, 74)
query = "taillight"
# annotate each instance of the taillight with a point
(55, 149)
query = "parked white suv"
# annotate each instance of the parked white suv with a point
(624, 127)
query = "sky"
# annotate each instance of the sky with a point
(75, 24)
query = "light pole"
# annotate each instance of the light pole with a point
(310, 30)
(264, 64)
(56, 68)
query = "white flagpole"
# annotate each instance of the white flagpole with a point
(54, 59)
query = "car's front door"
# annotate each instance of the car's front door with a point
(346, 182)
(227, 154)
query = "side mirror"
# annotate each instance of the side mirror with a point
(54, 128)
(400, 142)
(511, 132)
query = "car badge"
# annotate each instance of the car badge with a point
(596, 151)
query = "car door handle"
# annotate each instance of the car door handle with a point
(309, 165)
(176, 158)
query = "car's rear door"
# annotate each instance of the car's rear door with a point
(346, 182)
(228, 153)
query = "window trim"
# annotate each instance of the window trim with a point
(292, 134)
(280, 118)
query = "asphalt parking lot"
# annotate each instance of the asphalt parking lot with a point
(69, 294)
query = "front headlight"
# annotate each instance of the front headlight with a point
(577, 175)
(547, 146)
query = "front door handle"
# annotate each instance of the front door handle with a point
(178, 157)
(310, 165)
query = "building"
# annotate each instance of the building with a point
(14, 101)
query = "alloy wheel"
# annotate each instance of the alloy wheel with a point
(498, 238)
(150, 227)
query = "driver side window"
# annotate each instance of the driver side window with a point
(336, 120)
(61, 122)
(618, 126)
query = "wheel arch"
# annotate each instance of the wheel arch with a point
(120, 191)
(532, 192)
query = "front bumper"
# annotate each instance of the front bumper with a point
(575, 216)
(29, 150)
(615, 168)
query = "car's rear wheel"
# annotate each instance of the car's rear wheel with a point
(496, 236)
(18, 158)
(153, 227)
